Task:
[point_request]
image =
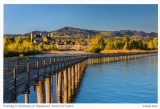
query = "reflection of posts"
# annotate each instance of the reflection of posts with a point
(40, 92)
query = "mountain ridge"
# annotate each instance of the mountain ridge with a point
(85, 33)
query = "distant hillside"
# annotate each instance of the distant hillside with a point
(75, 32)
(84, 33)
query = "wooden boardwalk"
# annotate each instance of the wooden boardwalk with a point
(21, 73)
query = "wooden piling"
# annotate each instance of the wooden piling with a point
(59, 87)
(48, 89)
(15, 86)
(26, 98)
(65, 85)
(69, 84)
(40, 92)
(73, 79)
(108, 59)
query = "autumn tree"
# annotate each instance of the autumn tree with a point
(96, 44)
(155, 42)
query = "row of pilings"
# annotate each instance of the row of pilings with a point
(97, 60)
(68, 73)
(67, 83)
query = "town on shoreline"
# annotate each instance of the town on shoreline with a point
(104, 42)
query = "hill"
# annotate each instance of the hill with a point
(84, 33)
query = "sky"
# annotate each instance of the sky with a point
(24, 18)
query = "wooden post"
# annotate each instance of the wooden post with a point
(65, 85)
(69, 84)
(59, 85)
(50, 62)
(28, 76)
(26, 98)
(52, 100)
(15, 88)
(44, 75)
(76, 81)
(40, 92)
(92, 60)
(48, 89)
(97, 61)
(113, 59)
(26, 93)
(125, 57)
(104, 60)
(108, 59)
(80, 71)
(37, 71)
(73, 79)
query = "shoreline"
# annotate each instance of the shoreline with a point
(63, 52)
(102, 52)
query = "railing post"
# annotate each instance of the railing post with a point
(37, 65)
(28, 76)
(50, 62)
(15, 88)
(17, 64)
(26, 92)
(44, 75)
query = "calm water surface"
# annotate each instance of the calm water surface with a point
(131, 81)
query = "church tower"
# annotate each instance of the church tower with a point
(31, 36)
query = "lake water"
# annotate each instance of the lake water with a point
(130, 81)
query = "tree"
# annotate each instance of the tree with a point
(110, 46)
(96, 44)
(126, 38)
(126, 46)
(40, 46)
(155, 42)
(151, 45)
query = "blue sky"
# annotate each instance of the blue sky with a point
(23, 18)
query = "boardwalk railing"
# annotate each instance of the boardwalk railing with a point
(21, 73)
(28, 71)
